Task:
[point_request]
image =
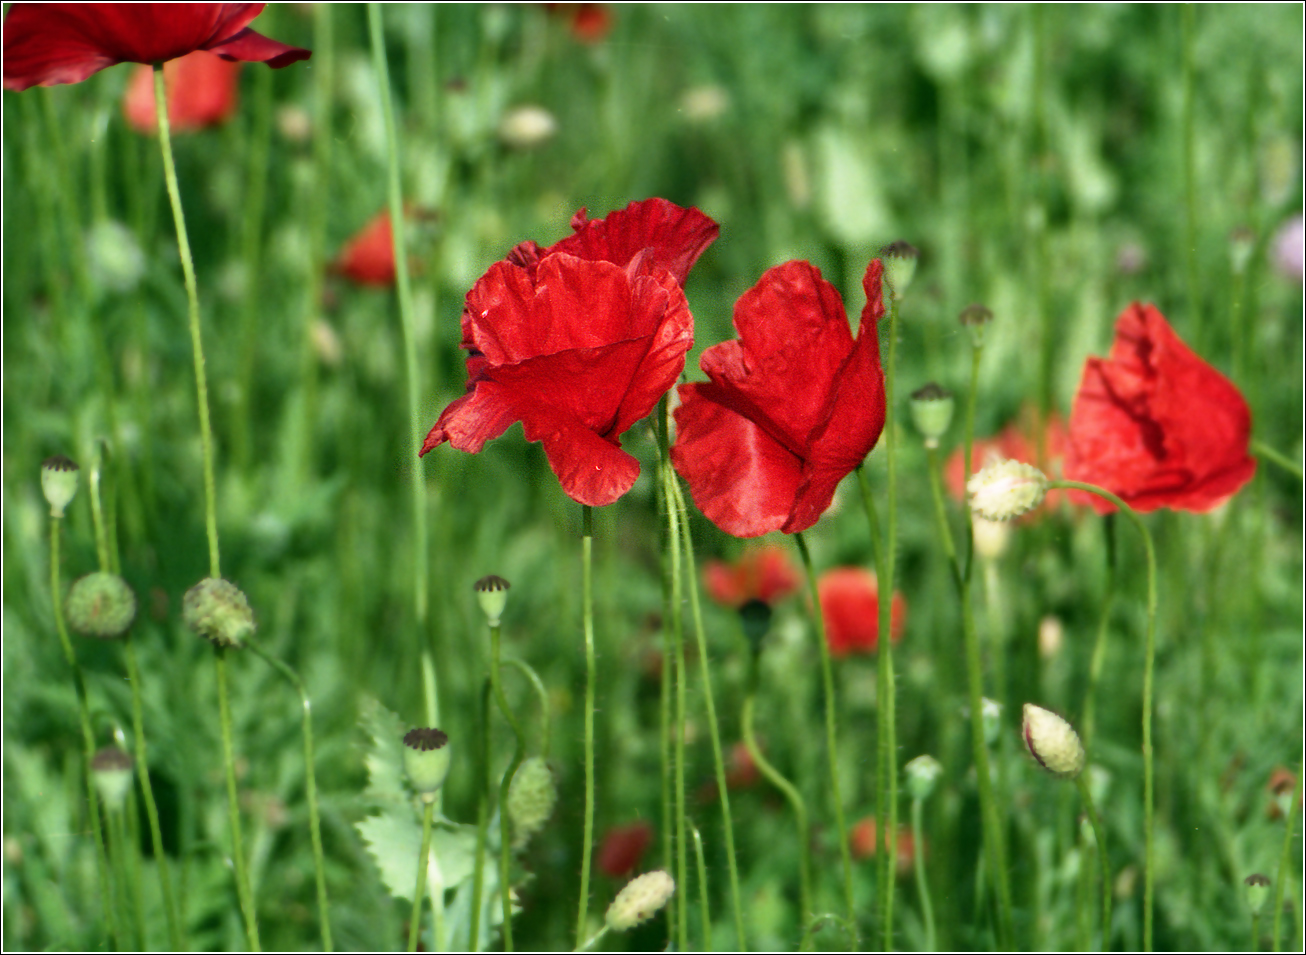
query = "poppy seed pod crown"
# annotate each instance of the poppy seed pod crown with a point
(58, 483)
(492, 595)
(427, 759)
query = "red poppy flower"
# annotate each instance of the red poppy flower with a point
(850, 606)
(761, 573)
(369, 257)
(201, 92)
(1156, 425)
(46, 44)
(1016, 442)
(792, 407)
(578, 342)
(590, 22)
(623, 847)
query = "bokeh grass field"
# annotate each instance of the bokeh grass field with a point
(1035, 155)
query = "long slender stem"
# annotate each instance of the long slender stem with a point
(243, 892)
(482, 822)
(431, 698)
(423, 863)
(1187, 19)
(1285, 859)
(193, 310)
(519, 754)
(587, 612)
(705, 913)
(922, 883)
(678, 729)
(1099, 833)
(1263, 450)
(1088, 723)
(1149, 668)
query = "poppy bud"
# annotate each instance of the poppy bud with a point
(899, 267)
(1258, 890)
(531, 798)
(931, 412)
(922, 773)
(640, 900)
(217, 611)
(100, 605)
(58, 483)
(755, 619)
(975, 318)
(991, 717)
(1052, 742)
(427, 760)
(111, 772)
(492, 595)
(1006, 489)
(525, 126)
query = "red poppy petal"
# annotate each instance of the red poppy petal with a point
(674, 235)
(664, 359)
(481, 415)
(591, 469)
(251, 47)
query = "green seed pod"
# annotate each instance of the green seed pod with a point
(58, 482)
(640, 900)
(427, 760)
(100, 605)
(922, 773)
(1052, 742)
(755, 619)
(931, 412)
(975, 318)
(531, 798)
(492, 595)
(899, 267)
(111, 772)
(217, 611)
(1258, 891)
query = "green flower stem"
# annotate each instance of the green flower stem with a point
(922, 883)
(1099, 833)
(678, 731)
(831, 742)
(994, 847)
(431, 698)
(423, 863)
(972, 399)
(1149, 667)
(542, 694)
(593, 940)
(107, 891)
(482, 822)
(117, 847)
(1263, 450)
(193, 308)
(700, 636)
(519, 754)
(243, 893)
(587, 611)
(795, 801)
(1255, 945)
(1187, 30)
(1285, 860)
(705, 912)
(130, 859)
(1088, 723)
(310, 786)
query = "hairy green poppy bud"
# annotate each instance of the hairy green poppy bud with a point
(1006, 489)
(111, 772)
(100, 605)
(931, 412)
(492, 595)
(427, 760)
(922, 773)
(1052, 742)
(975, 318)
(58, 482)
(218, 611)
(640, 900)
(1258, 891)
(531, 798)
(899, 267)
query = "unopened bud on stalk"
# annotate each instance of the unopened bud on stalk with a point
(922, 773)
(899, 267)
(1006, 489)
(217, 611)
(111, 772)
(931, 412)
(100, 605)
(492, 595)
(531, 798)
(58, 483)
(1052, 742)
(640, 900)
(1258, 891)
(975, 318)
(427, 760)
(755, 619)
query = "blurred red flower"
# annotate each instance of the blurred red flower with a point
(792, 407)
(850, 606)
(862, 842)
(201, 92)
(578, 342)
(590, 22)
(623, 847)
(46, 44)
(1156, 425)
(1016, 442)
(761, 573)
(369, 257)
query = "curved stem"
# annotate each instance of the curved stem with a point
(1105, 863)
(587, 612)
(534, 679)
(1263, 450)
(193, 310)
(243, 893)
(922, 883)
(423, 863)
(496, 684)
(887, 710)
(1099, 645)
(1149, 667)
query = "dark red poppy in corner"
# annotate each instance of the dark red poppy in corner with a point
(792, 407)
(761, 573)
(1156, 425)
(850, 607)
(46, 44)
(201, 92)
(623, 847)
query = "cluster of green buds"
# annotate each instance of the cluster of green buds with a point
(427, 760)
(218, 611)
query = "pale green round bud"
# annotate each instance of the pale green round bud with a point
(58, 482)
(531, 799)
(100, 605)
(1052, 742)
(111, 772)
(991, 717)
(922, 773)
(1006, 489)
(492, 595)
(899, 267)
(217, 611)
(640, 900)
(1257, 887)
(427, 760)
(931, 412)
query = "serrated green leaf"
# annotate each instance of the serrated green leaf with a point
(385, 755)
